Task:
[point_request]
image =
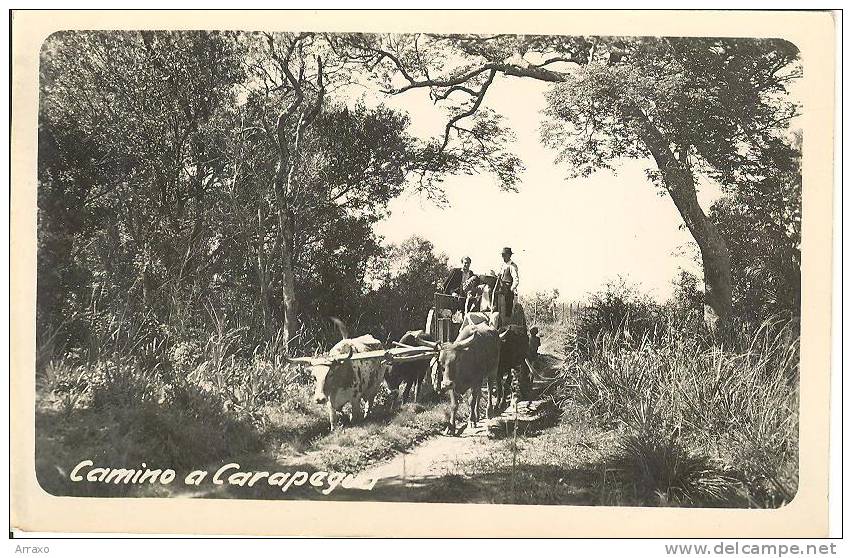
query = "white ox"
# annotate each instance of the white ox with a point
(340, 379)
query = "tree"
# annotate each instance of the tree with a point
(762, 220)
(336, 167)
(694, 106)
(290, 56)
(129, 151)
(406, 277)
(359, 162)
(180, 171)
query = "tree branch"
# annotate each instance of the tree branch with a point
(441, 96)
(480, 96)
(556, 59)
(320, 93)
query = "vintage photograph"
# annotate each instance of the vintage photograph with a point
(419, 267)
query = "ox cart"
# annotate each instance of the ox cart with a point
(366, 363)
(484, 300)
(481, 295)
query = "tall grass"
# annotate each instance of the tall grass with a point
(702, 423)
(202, 400)
(177, 401)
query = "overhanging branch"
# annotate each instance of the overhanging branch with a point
(480, 96)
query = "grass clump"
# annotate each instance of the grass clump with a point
(199, 412)
(702, 423)
(353, 448)
(120, 415)
(665, 472)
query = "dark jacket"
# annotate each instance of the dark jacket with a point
(453, 284)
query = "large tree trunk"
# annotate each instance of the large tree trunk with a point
(680, 183)
(285, 246)
(281, 186)
(288, 288)
(265, 298)
(284, 186)
(715, 258)
(288, 156)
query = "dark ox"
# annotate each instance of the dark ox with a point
(410, 373)
(463, 365)
(514, 347)
(340, 379)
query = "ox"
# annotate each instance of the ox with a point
(514, 347)
(340, 379)
(411, 373)
(463, 365)
(488, 318)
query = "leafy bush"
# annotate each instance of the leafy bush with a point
(184, 356)
(246, 386)
(686, 305)
(619, 308)
(67, 384)
(124, 384)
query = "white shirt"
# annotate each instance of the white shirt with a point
(513, 271)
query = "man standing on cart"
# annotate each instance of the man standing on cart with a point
(507, 284)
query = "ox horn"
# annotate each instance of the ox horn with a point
(300, 360)
(341, 327)
(464, 344)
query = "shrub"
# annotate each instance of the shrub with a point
(122, 383)
(67, 384)
(666, 471)
(737, 403)
(184, 356)
(247, 386)
(619, 308)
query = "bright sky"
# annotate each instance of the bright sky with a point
(573, 235)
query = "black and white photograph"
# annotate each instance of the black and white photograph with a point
(434, 268)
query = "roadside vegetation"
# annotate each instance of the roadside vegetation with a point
(118, 414)
(654, 411)
(701, 424)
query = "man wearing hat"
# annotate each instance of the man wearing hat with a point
(507, 286)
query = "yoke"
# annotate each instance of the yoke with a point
(392, 355)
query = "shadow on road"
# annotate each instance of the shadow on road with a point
(526, 484)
